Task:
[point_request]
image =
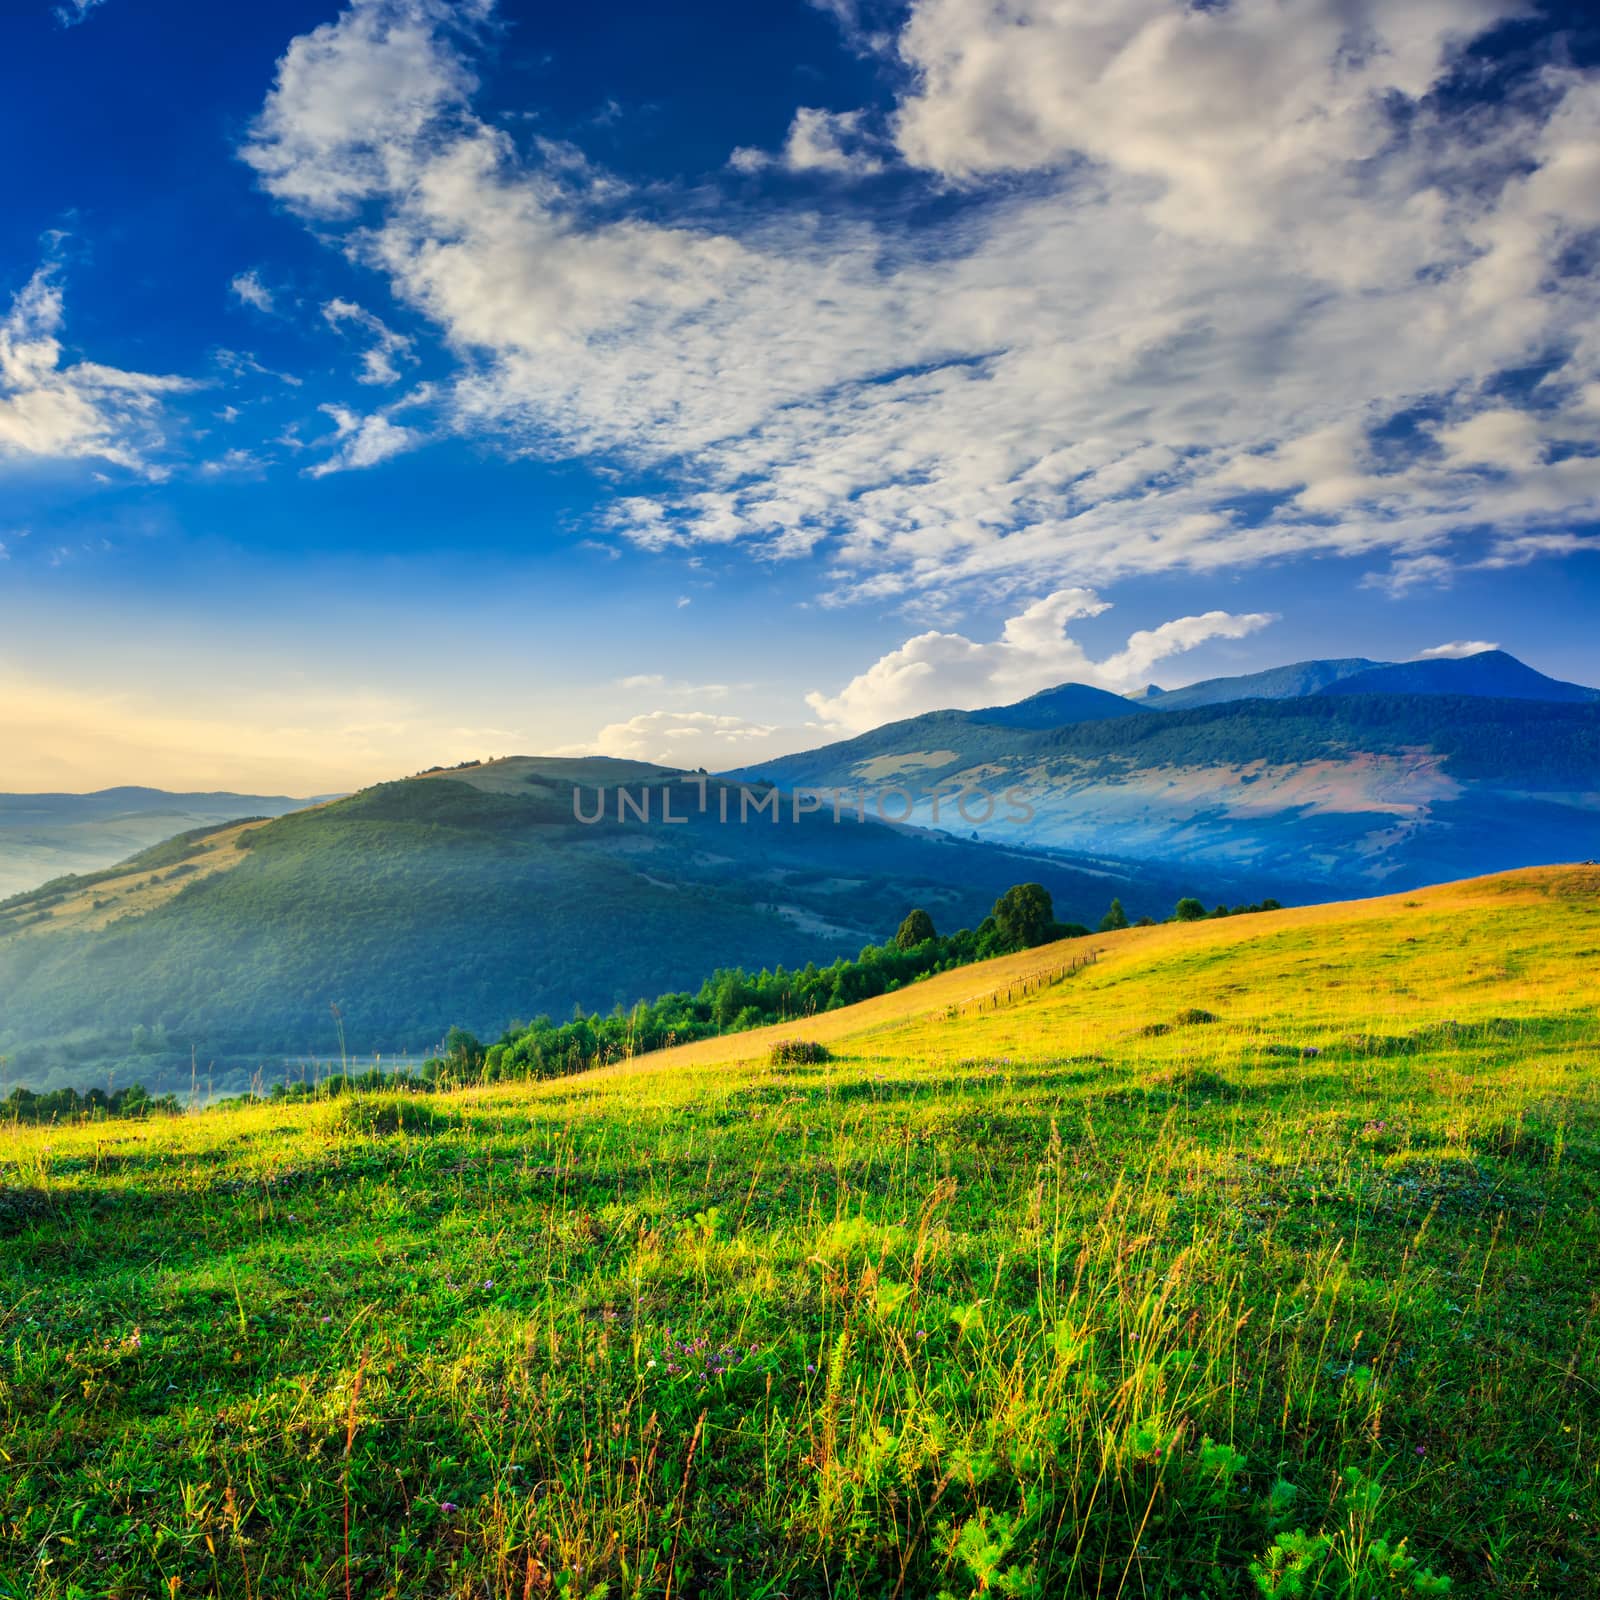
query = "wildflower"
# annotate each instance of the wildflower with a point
(652, 1363)
(810, 1367)
(1422, 1449)
(448, 1506)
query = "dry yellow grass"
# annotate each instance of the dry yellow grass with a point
(1409, 958)
(135, 893)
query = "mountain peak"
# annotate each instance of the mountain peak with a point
(1490, 674)
(1058, 706)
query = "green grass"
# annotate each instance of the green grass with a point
(1014, 1295)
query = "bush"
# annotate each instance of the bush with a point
(798, 1053)
(375, 1116)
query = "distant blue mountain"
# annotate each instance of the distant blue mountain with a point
(1054, 708)
(44, 836)
(1276, 683)
(1489, 675)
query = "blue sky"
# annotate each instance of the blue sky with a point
(411, 381)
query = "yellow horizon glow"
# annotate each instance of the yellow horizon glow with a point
(56, 738)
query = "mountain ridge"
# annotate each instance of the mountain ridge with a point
(475, 897)
(52, 834)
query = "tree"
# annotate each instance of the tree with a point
(462, 1050)
(1114, 919)
(1023, 917)
(916, 929)
(1188, 910)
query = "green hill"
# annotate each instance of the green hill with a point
(473, 897)
(45, 836)
(1254, 1257)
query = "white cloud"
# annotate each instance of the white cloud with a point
(1227, 113)
(364, 441)
(837, 142)
(1250, 237)
(72, 12)
(658, 683)
(674, 738)
(53, 408)
(1456, 649)
(948, 671)
(249, 290)
(388, 347)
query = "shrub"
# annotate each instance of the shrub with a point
(798, 1053)
(375, 1116)
(1197, 1082)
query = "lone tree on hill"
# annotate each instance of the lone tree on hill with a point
(1023, 917)
(1115, 918)
(1188, 910)
(916, 929)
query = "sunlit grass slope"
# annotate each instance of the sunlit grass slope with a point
(1255, 1257)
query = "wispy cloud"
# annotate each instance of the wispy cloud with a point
(659, 683)
(675, 738)
(378, 361)
(249, 290)
(363, 441)
(54, 408)
(1456, 649)
(1205, 257)
(72, 12)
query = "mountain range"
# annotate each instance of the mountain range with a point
(476, 896)
(1486, 675)
(1349, 774)
(45, 836)
(484, 893)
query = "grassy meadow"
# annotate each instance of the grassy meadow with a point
(1254, 1257)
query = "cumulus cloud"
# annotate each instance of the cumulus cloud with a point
(948, 671)
(54, 408)
(249, 290)
(1252, 238)
(1456, 649)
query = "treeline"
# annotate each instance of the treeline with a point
(68, 1105)
(733, 1000)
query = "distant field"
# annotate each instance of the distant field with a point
(1254, 1257)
